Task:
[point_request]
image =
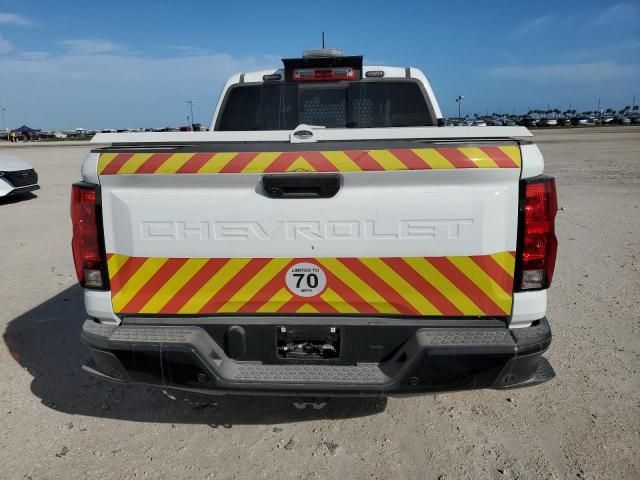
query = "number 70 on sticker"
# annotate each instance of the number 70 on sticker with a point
(305, 279)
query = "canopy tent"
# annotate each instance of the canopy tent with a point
(25, 129)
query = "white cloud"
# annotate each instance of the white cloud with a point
(13, 19)
(578, 73)
(588, 19)
(5, 46)
(532, 25)
(608, 52)
(619, 13)
(188, 50)
(119, 90)
(84, 46)
(33, 55)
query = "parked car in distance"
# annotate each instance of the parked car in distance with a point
(623, 121)
(16, 176)
(580, 121)
(479, 123)
(607, 120)
(509, 123)
(564, 121)
(547, 122)
(455, 122)
(527, 122)
(494, 123)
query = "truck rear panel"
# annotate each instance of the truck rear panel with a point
(413, 228)
(325, 237)
(377, 267)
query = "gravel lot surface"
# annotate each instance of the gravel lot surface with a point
(58, 423)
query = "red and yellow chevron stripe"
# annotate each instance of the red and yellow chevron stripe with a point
(432, 286)
(119, 163)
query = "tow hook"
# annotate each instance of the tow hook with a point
(313, 402)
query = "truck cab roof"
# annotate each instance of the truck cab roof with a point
(367, 102)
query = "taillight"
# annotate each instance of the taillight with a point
(87, 253)
(538, 244)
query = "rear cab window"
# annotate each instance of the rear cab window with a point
(344, 104)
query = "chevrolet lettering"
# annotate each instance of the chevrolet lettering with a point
(295, 230)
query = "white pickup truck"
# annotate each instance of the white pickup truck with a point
(328, 236)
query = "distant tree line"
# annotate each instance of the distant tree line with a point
(627, 110)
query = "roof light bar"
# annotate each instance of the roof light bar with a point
(328, 68)
(322, 53)
(324, 74)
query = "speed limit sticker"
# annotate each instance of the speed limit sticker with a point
(305, 279)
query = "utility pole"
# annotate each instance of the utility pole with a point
(4, 122)
(190, 104)
(323, 40)
(459, 99)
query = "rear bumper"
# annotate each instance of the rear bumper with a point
(430, 359)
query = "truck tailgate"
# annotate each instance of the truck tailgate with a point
(415, 229)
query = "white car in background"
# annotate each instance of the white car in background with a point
(16, 176)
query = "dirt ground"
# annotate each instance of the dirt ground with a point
(58, 423)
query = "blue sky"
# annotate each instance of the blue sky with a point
(125, 64)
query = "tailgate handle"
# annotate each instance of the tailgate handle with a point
(301, 186)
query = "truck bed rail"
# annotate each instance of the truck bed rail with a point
(319, 135)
